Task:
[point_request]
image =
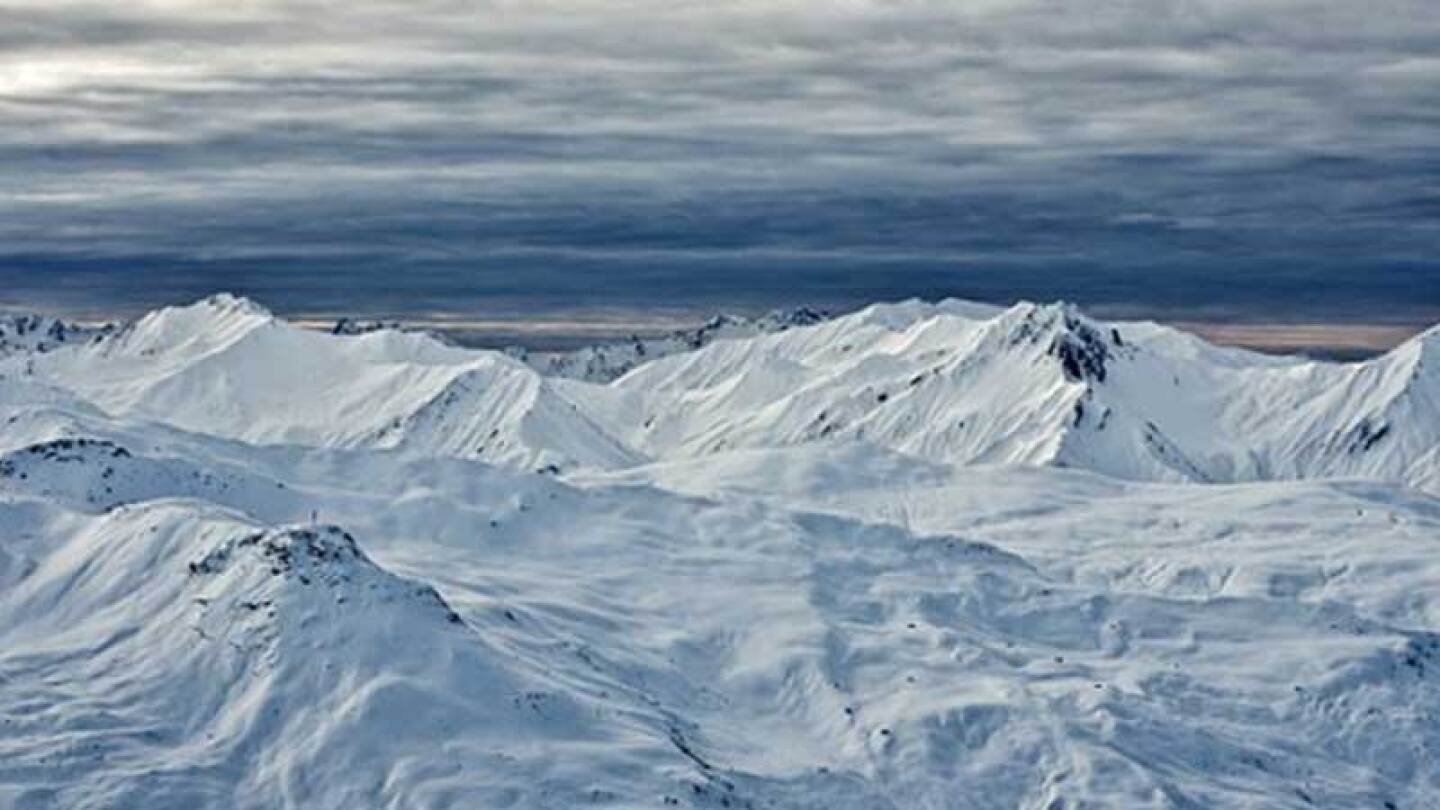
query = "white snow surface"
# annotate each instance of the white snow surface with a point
(919, 556)
(605, 362)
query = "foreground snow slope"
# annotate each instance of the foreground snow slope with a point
(245, 598)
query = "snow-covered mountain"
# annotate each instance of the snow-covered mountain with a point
(228, 367)
(40, 333)
(952, 382)
(1042, 385)
(605, 362)
(921, 555)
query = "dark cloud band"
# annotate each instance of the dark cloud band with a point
(1164, 155)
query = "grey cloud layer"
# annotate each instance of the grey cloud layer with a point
(538, 154)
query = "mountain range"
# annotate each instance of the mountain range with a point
(920, 555)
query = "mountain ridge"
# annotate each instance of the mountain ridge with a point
(953, 381)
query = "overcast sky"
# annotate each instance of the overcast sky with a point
(1251, 159)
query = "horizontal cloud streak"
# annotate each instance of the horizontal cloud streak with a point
(539, 154)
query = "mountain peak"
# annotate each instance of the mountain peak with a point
(1419, 359)
(212, 312)
(287, 551)
(306, 557)
(356, 326)
(1081, 346)
(229, 302)
(212, 321)
(1428, 341)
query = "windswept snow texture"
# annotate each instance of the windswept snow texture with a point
(918, 556)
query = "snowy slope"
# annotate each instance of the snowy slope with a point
(951, 382)
(247, 566)
(228, 367)
(505, 414)
(605, 362)
(620, 646)
(173, 656)
(1041, 385)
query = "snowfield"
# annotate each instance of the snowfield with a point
(918, 556)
